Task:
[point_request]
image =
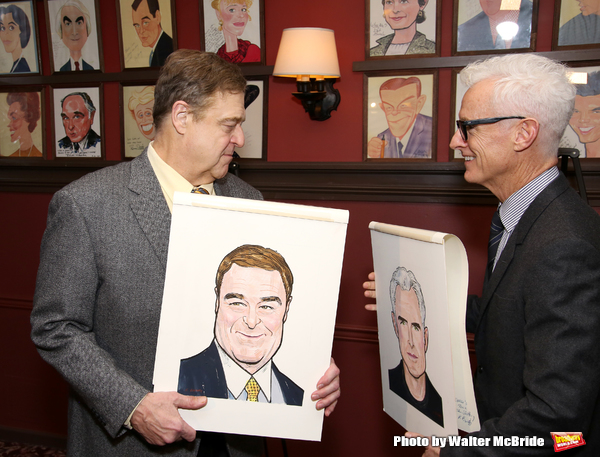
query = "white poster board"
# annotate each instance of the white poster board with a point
(438, 263)
(204, 230)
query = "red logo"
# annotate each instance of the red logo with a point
(567, 440)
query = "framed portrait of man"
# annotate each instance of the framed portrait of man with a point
(22, 123)
(147, 32)
(494, 26)
(74, 35)
(234, 29)
(255, 126)
(576, 24)
(400, 119)
(396, 28)
(77, 117)
(18, 32)
(138, 123)
(458, 89)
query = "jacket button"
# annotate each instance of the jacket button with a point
(480, 369)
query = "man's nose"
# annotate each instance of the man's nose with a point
(238, 138)
(457, 141)
(251, 318)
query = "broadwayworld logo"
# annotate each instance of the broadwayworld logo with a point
(567, 440)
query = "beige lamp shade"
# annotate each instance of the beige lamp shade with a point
(307, 52)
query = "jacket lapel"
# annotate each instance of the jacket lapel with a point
(149, 206)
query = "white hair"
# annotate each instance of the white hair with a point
(528, 85)
(406, 280)
(81, 7)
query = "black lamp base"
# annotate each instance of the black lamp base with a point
(319, 98)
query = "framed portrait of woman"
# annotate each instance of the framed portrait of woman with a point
(494, 26)
(74, 35)
(399, 116)
(22, 123)
(576, 24)
(234, 29)
(396, 28)
(137, 121)
(78, 122)
(18, 32)
(147, 32)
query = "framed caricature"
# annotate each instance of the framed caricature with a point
(234, 29)
(74, 35)
(18, 31)
(576, 24)
(146, 32)
(138, 124)
(489, 26)
(459, 90)
(77, 117)
(402, 27)
(399, 116)
(255, 126)
(22, 123)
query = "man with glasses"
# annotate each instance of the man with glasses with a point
(537, 323)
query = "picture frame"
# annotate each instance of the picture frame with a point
(474, 31)
(255, 126)
(137, 123)
(74, 40)
(148, 34)
(458, 92)
(575, 26)
(410, 136)
(418, 33)
(24, 108)
(245, 47)
(79, 135)
(21, 40)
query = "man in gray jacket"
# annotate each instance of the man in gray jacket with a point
(102, 271)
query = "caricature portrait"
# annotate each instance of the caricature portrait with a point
(409, 379)
(401, 101)
(231, 31)
(138, 103)
(402, 17)
(579, 22)
(253, 289)
(585, 120)
(74, 122)
(75, 38)
(17, 32)
(21, 127)
(494, 24)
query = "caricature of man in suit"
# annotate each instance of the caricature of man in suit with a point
(409, 132)
(408, 379)
(74, 28)
(253, 296)
(77, 116)
(146, 20)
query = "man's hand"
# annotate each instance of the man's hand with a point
(430, 451)
(369, 287)
(328, 389)
(157, 417)
(375, 147)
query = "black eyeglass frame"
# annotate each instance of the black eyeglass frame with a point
(462, 125)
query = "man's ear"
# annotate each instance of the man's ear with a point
(395, 323)
(92, 114)
(421, 102)
(158, 17)
(287, 308)
(426, 338)
(216, 302)
(527, 132)
(180, 116)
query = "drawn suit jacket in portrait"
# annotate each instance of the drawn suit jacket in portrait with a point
(475, 34)
(417, 146)
(203, 375)
(163, 48)
(536, 327)
(84, 64)
(93, 139)
(419, 45)
(97, 324)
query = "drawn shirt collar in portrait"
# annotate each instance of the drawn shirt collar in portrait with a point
(74, 62)
(170, 181)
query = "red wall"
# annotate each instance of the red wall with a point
(33, 395)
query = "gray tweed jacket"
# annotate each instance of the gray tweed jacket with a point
(97, 303)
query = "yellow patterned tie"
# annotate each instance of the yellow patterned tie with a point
(253, 389)
(199, 190)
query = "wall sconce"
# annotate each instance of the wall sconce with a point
(309, 55)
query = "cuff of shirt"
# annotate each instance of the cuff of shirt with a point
(127, 423)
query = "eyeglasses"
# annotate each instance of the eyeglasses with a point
(464, 126)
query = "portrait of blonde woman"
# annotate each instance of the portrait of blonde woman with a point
(138, 121)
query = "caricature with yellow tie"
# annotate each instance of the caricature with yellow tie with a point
(253, 297)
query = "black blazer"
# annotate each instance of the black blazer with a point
(164, 47)
(537, 329)
(203, 374)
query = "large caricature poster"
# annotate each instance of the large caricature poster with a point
(422, 282)
(248, 312)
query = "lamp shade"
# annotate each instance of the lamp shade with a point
(307, 51)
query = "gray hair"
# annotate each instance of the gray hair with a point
(81, 7)
(406, 280)
(528, 85)
(87, 101)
